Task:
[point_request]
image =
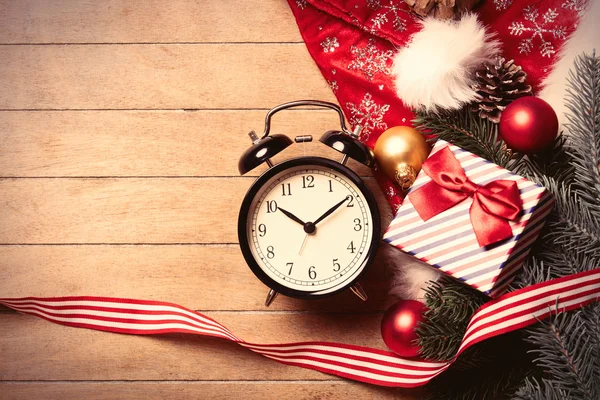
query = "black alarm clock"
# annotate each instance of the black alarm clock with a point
(308, 227)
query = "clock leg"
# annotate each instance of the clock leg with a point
(270, 297)
(359, 291)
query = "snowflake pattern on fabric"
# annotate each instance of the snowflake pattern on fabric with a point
(502, 5)
(370, 60)
(537, 28)
(578, 6)
(333, 85)
(301, 4)
(330, 44)
(368, 115)
(390, 192)
(386, 12)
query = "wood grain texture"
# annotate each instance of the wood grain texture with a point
(121, 123)
(204, 390)
(197, 277)
(40, 350)
(150, 21)
(161, 76)
(149, 143)
(136, 210)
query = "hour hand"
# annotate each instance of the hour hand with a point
(331, 210)
(291, 216)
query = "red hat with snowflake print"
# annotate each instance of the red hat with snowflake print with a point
(354, 42)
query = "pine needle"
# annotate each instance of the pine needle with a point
(567, 347)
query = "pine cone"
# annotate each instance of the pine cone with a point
(498, 83)
(441, 9)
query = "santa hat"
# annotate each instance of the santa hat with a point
(377, 57)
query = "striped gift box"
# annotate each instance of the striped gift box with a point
(447, 241)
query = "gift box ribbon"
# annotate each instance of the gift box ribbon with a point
(494, 204)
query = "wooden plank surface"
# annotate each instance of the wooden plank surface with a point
(161, 76)
(203, 278)
(149, 21)
(122, 210)
(149, 143)
(64, 353)
(121, 124)
(302, 390)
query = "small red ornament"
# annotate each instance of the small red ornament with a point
(528, 125)
(398, 327)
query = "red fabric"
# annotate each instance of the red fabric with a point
(353, 42)
(494, 204)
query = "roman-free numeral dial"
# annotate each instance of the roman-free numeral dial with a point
(310, 228)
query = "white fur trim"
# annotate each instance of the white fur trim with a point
(409, 276)
(435, 70)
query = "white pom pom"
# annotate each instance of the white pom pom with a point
(409, 276)
(435, 71)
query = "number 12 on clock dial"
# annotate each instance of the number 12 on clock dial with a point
(311, 228)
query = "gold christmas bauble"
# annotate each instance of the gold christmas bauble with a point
(400, 151)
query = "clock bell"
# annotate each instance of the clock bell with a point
(268, 145)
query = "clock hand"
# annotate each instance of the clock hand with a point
(291, 216)
(331, 210)
(303, 243)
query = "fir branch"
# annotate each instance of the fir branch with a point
(569, 345)
(535, 271)
(479, 384)
(533, 390)
(569, 243)
(583, 101)
(465, 129)
(568, 349)
(591, 316)
(552, 262)
(486, 370)
(553, 163)
(571, 224)
(450, 306)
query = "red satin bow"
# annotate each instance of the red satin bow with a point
(494, 204)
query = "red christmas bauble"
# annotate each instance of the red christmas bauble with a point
(528, 125)
(398, 327)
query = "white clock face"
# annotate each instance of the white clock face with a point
(310, 229)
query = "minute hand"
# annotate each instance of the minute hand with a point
(331, 210)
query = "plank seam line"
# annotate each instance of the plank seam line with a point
(308, 312)
(182, 381)
(373, 312)
(266, 313)
(220, 244)
(233, 43)
(133, 177)
(199, 177)
(180, 109)
(224, 244)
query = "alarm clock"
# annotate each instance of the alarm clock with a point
(308, 227)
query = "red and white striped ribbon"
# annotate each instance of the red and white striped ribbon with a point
(142, 317)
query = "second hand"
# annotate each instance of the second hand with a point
(303, 243)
